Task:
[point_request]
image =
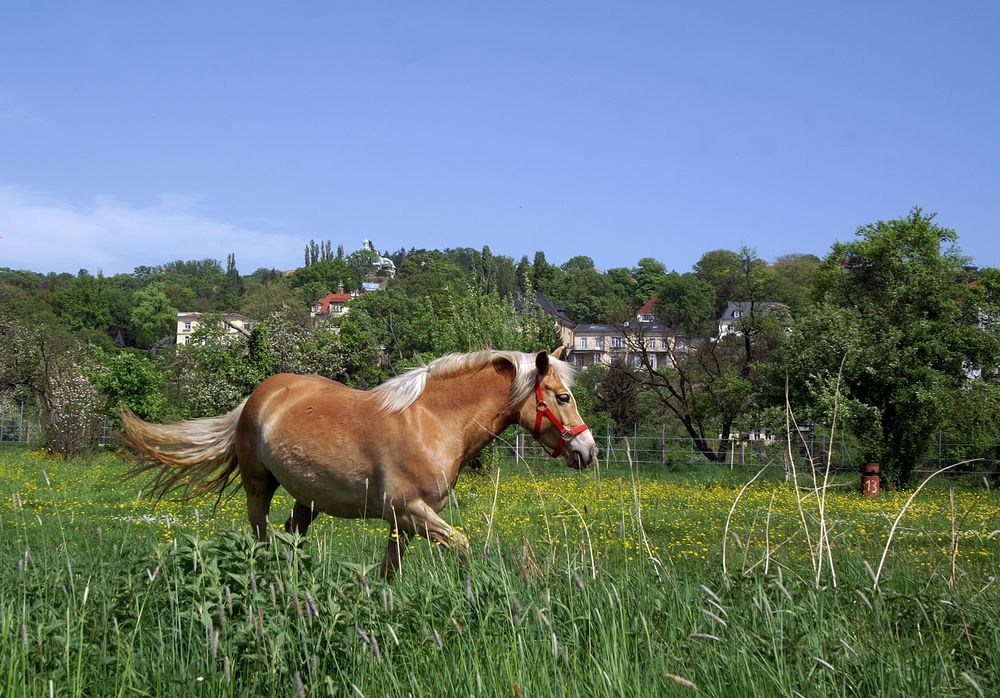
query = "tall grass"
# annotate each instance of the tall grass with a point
(583, 589)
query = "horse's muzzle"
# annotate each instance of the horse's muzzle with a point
(581, 452)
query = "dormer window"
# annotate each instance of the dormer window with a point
(736, 313)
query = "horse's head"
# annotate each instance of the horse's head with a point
(550, 414)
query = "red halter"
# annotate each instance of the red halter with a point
(566, 435)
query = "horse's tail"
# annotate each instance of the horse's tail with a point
(195, 456)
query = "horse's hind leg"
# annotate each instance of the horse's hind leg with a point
(260, 490)
(394, 549)
(300, 519)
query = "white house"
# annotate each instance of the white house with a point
(234, 324)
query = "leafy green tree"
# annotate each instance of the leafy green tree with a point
(153, 317)
(792, 281)
(648, 275)
(686, 303)
(433, 276)
(578, 264)
(261, 300)
(544, 276)
(721, 270)
(894, 316)
(125, 377)
(362, 262)
(321, 278)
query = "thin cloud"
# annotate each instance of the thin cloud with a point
(41, 233)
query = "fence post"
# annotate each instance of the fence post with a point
(663, 444)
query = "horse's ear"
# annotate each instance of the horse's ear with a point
(542, 363)
(558, 351)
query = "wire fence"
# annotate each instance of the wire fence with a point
(648, 450)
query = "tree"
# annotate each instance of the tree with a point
(363, 262)
(127, 378)
(710, 384)
(152, 315)
(648, 275)
(262, 300)
(686, 303)
(48, 367)
(578, 263)
(894, 316)
(792, 280)
(720, 269)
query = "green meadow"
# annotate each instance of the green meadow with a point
(608, 582)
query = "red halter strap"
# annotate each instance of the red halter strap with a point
(566, 435)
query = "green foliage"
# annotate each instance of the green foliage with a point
(263, 300)
(893, 316)
(792, 281)
(215, 371)
(127, 378)
(321, 278)
(153, 316)
(686, 303)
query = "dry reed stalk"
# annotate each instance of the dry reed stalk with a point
(493, 512)
(638, 513)
(586, 530)
(895, 524)
(767, 536)
(789, 422)
(778, 547)
(725, 532)
(954, 540)
(824, 534)
(746, 546)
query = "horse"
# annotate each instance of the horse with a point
(393, 452)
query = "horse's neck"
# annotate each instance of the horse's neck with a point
(474, 404)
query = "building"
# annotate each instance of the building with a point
(736, 312)
(382, 266)
(332, 305)
(233, 324)
(634, 342)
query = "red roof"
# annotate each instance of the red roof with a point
(325, 301)
(647, 309)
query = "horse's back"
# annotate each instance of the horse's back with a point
(303, 399)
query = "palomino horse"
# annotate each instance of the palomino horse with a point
(393, 452)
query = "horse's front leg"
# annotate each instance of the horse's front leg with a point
(428, 524)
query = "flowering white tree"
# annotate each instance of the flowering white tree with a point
(38, 365)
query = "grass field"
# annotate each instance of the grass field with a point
(590, 583)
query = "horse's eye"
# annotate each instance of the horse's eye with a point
(563, 398)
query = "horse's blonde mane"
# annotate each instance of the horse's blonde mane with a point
(398, 393)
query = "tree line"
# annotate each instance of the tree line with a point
(893, 331)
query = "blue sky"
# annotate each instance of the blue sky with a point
(137, 133)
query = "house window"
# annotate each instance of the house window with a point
(336, 308)
(187, 338)
(736, 313)
(583, 342)
(617, 342)
(187, 326)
